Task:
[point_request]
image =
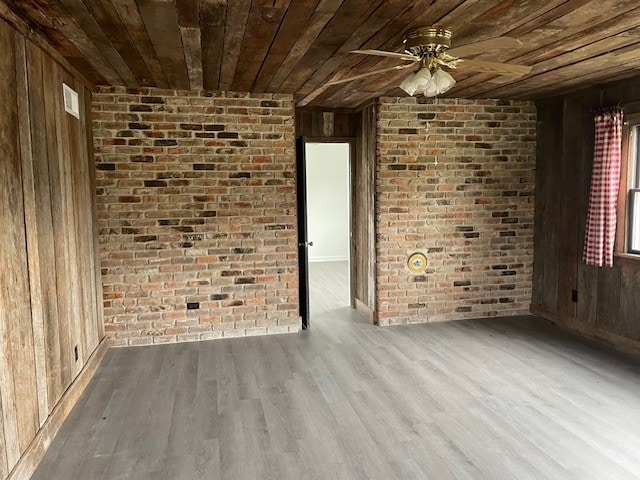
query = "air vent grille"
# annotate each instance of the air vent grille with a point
(71, 104)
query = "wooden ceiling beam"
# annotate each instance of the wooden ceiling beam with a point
(106, 17)
(575, 58)
(349, 17)
(212, 21)
(369, 89)
(524, 19)
(580, 83)
(140, 41)
(161, 22)
(79, 38)
(61, 30)
(540, 47)
(419, 13)
(387, 38)
(324, 12)
(81, 15)
(40, 39)
(263, 23)
(297, 46)
(293, 26)
(594, 67)
(188, 13)
(386, 13)
(234, 29)
(191, 35)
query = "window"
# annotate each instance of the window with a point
(634, 220)
(629, 214)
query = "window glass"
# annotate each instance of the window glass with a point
(633, 205)
(634, 217)
(635, 160)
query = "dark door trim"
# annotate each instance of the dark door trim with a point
(303, 245)
(303, 239)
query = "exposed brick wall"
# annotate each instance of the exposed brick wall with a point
(196, 211)
(455, 180)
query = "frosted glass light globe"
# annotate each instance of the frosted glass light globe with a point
(443, 81)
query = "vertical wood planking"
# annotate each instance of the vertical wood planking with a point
(363, 207)
(548, 190)
(49, 286)
(8, 130)
(4, 470)
(607, 297)
(52, 113)
(31, 206)
(552, 182)
(370, 160)
(540, 206)
(95, 266)
(629, 303)
(568, 200)
(66, 133)
(85, 211)
(17, 363)
(325, 123)
(587, 312)
(44, 238)
(76, 201)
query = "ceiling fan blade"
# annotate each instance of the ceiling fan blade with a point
(374, 72)
(484, 46)
(494, 67)
(382, 53)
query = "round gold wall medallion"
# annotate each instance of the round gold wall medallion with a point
(417, 262)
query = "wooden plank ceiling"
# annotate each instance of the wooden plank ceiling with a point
(296, 46)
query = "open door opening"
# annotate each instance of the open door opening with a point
(324, 225)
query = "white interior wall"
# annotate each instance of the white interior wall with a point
(328, 201)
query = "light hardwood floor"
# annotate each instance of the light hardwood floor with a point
(488, 399)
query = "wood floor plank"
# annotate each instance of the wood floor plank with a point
(480, 399)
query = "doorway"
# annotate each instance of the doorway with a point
(324, 198)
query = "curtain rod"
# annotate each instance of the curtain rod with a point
(608, 109)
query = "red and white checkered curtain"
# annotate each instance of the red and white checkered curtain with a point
(603, 196)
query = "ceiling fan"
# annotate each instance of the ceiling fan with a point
(430, 48)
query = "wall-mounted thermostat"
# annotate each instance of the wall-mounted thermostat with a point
(71, 104)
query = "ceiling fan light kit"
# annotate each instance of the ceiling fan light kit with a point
(431, 48)
(428, 84)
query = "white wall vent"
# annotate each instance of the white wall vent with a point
(71, 104)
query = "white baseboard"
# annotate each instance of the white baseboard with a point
(328, 259)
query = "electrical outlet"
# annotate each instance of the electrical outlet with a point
(75, 352)
(574, 296)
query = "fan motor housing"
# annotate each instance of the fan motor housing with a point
(428, 39)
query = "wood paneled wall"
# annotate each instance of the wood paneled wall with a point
(363, 209)
(50, 291)
(315, 122)
(608, 299)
